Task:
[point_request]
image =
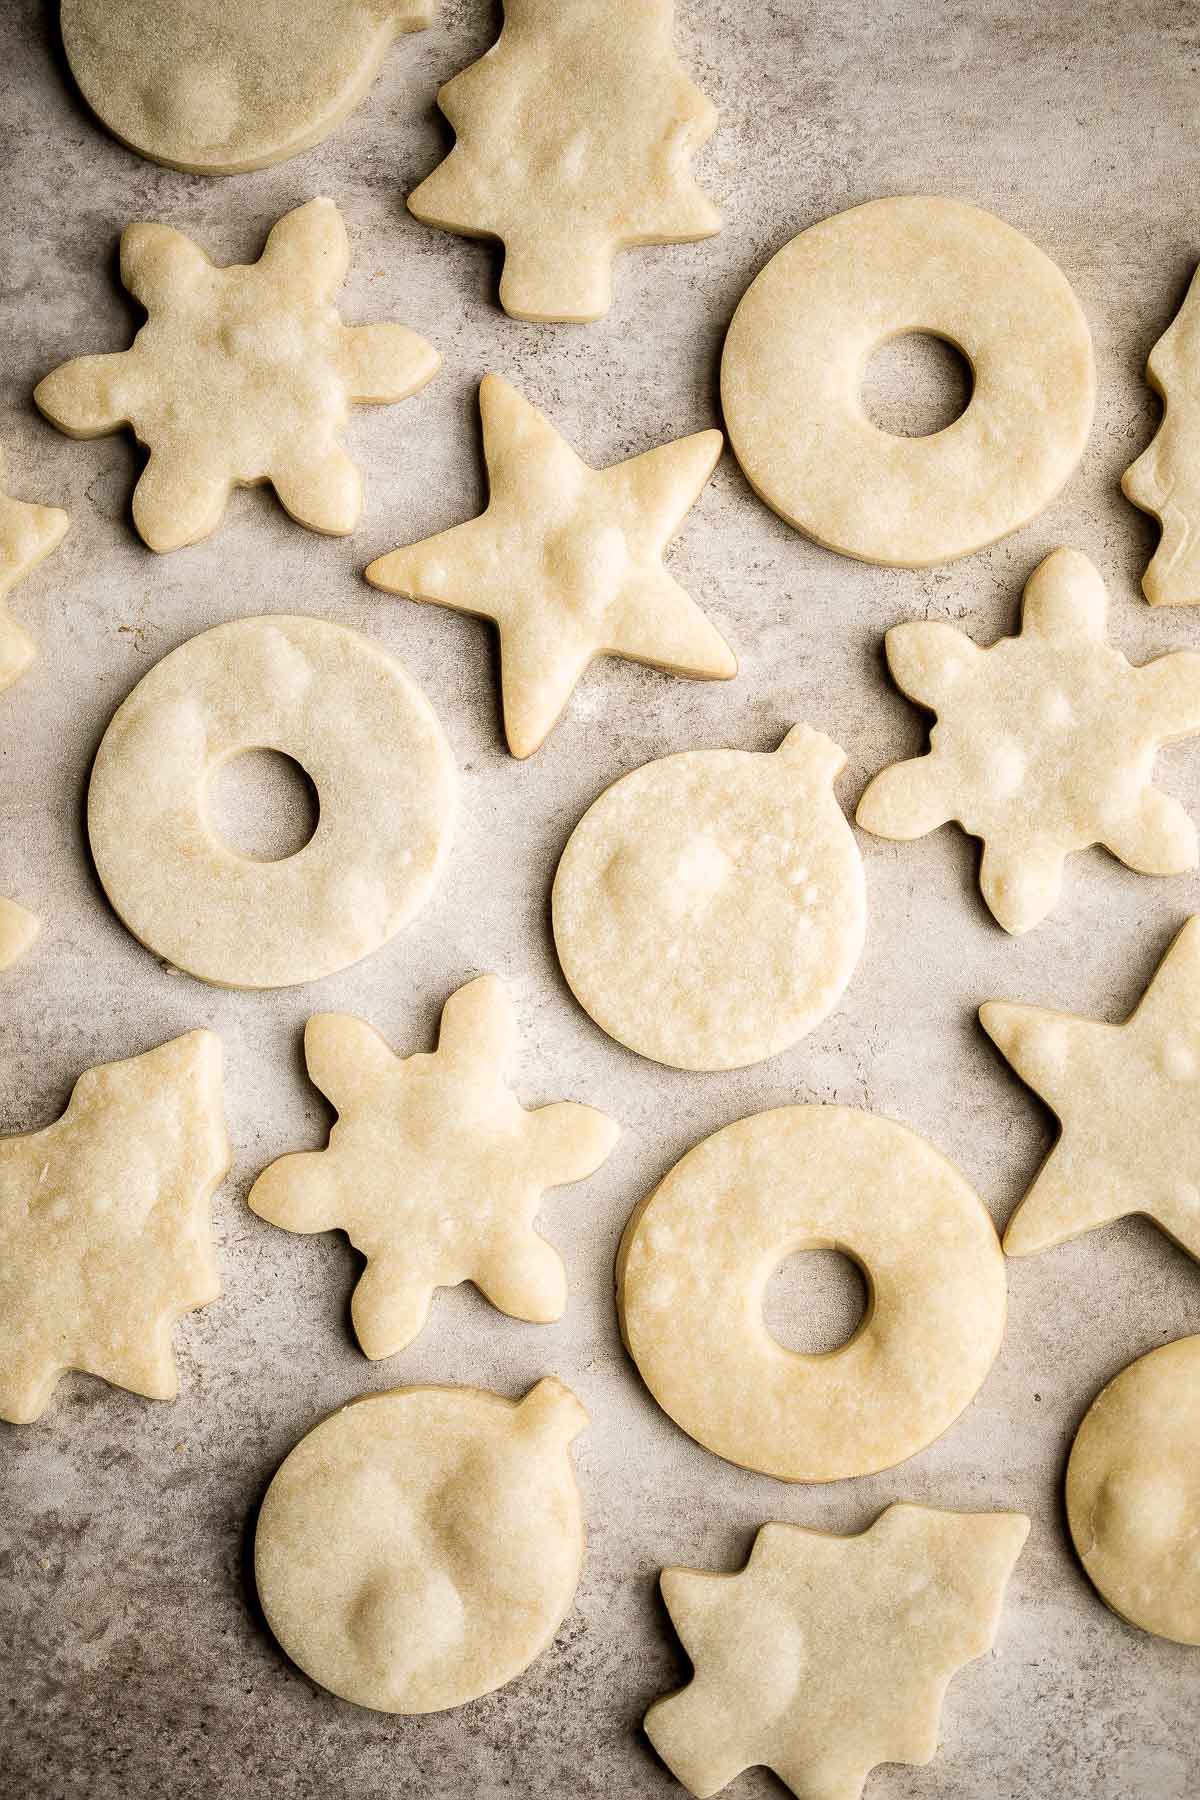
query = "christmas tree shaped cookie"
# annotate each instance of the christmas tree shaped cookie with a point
(1044, 744)
(574, 136)
(1165, 479)
(104, 1226)
(434, 1170)
(27, 536)
(240, 375)
(826, 1655)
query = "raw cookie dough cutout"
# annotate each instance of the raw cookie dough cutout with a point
(368, 740)
(104, 1226)
(241, 375)
(1164, 480)
(27, 536)
(1133, 1492)
(697, 1255)
(1045, 743)
(826, 1655)
(18, 929)
(710, 907)
(793, 364)
(421, 1547)
(574, 138)
(219, 86)
(434, 1170)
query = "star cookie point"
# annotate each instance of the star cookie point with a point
(28, 534)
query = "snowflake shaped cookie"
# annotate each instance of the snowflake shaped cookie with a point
(240, 375)
(1045, 743)
(567, 560)
(574, 136)
(1164, 479)
(434, 1170)
(104, 1226)
(27, 536)
(826, 1655)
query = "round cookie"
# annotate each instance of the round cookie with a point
(710, 907)
(1133, 1492)
(421, 1547)
(697, 1255)
(367, 738)
(800, 339)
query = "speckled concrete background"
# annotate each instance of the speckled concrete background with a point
(134, 1662)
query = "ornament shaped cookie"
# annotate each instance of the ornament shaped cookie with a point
(27, 536)
(697, 1254)
(1164, 479)
(710, 907)
(18, 929)
(791, 379)
(220, 86)
(434, 1170)
(826, 1655)
(364, 733)
(1128, 1101)
(1045, 743)
(1133, 1492)
(574, 138)
(104, 1226)
(422, 1547)
(567, 560)
(241, 375)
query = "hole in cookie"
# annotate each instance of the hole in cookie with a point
(916, 384)
(815, 1301)
(263, 805)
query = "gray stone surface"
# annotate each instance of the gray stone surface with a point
(133, 1662)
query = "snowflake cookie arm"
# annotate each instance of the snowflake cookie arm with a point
(1065, 600)
(1021, 882)
(928, 661)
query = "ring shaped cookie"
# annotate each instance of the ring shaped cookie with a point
(798, 345)
(697, 1255)
(369, 742)
(1133, 1492)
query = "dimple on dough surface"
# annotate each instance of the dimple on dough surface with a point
(1165, 478)
(710, 907)
(793, 363)
(1133, 1492)
(697, 1255)
(220, 86)
(369, 742)
(421, 1547)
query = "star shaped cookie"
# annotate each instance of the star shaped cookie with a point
(433, 1170)
(240, 375)
(826, 1655)
(1044, 744)
(567, 560)
(1128, 1100)
(27, 536)
(574, 138)
(1164, 480)
(104, 1226)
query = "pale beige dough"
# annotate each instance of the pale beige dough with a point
(434, 1170)
(421, 1547)
(241, 375)
(220, 86)
(698, 1253)
(1165, 479)
(18, 929)
(826, 1655)
(367, 738)
(27, 536)
(574, 138)
(567, 560)
(1133, 1492)
(799, 342)
(1045, 743)
(105, 1236)
(710, 907)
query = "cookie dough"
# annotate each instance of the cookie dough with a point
(568, 562)
(697, 1255)
(434, 1170)
(1045, 743)
(1133, 1492)
(219, 86)
(369, 742)
(710, 907)
(801, 337)
(574, 138)
(422, 1547)
(18, 929)
(27, 536)
(826, 1655)
(104, 1226)
(1164, 479)
(241, 375)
